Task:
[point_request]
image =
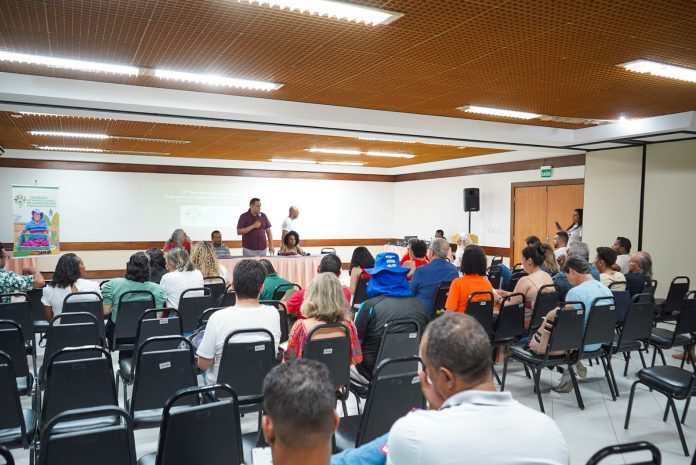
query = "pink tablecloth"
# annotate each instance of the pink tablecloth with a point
(18, 264)
(298, 270)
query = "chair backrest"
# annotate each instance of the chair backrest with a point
(6, 456)
(201, 434)
(547, 299)
(686, 322)
(360, 295)
(334, 352)
(150, 326)
(103, 283)
(481, 309)
(622, 299)
(11, 415)
(205, 316)
(228, 299)
(112, 444)
(440, 299)
(283, 315)
(327, 250)
(675, 295)
(601, 454)
(510, 323)
(246, 361)
(191, 308)
(94, 306)
(400, 338)
(19, 312)
(638, 323)
(81, 331)
(216, 284)
(394, 391)
(76, 384)
(497, 260)
(281, 289)
(159, 374)
(601, 322)
(650, 287)
(495, 276)
(37, 307)
(568, 328)
(12, 344)
(517, 267)
(128, 316)
(516, 276)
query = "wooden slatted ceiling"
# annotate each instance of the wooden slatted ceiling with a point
(553, 57)
(216, 143)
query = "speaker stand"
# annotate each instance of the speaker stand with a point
(469, 221)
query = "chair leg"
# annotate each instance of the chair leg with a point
(686, 409)
(642, 359)
(630, 403)
(670, 403)
(537, 375)
(662, 356)
(357, 401)
(664, 417)
(609, 377)
(526, 372)
(502, 383)
(654, 356)
(576, 388)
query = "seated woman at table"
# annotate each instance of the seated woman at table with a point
(533, 257)
(473, 279)
(324, 303)
(291, 245)
(359, 262)
(67, 279)
(179, 238)
(204, 258)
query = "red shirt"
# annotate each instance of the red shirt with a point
(295, 302)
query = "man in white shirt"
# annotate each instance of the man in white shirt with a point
(560, 244)
(468, 421)
(622, 246)
(289, 224)
(247, 313)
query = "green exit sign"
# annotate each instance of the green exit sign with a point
(546, 171)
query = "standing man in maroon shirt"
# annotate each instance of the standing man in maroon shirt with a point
(254, 228)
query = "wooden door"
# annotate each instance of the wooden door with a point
(530, 217)
(560, 204)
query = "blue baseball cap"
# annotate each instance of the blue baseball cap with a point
(387, 261)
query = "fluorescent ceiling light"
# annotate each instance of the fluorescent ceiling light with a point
(65, 63)
(292, 160)
(342, 163)
(408, 141)
(81, 135)
(660, 69)
(214, 80)
(498, 112)
(389, 154)
(68, 149)
(332, 9)
(335, 151)
(32, 113)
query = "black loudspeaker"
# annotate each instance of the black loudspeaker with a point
(471, 199)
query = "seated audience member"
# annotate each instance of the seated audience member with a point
(291, 245)
(359, 262)
(67, 279)
(578, 249)
(473, 280)
(204, 260)
(394, 301)
(299, 413)
(622, 247)
(13, 282)
(469, 422)
(532, 240)
(560, 244)
(427, 278)
(182, 276)
(179, 239)
(439, 234)
(220, 249)
(532, 258)
(324, 303)
(639, 272)
(584, 289)
(247, 313)
(330, 263)
(393, 281)
(550, 264)
(417, 257)
(271, 282)
(605, 261)
(407, 255)
(158, 266)
(136, 279)
(463, 239)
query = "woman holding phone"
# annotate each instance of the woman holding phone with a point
(575, 229)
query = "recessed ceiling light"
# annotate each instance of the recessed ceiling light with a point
(342, 163)
(292, 160)
(68, 149)
(80, 135)
(66, 63)
(498, 112)
(332, 9)
(335, 151)
(215, 80)
(661, 69)
(389, 154)
(32, 113)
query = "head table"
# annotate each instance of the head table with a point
(296, 269)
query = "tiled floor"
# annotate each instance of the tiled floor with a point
(586, 431)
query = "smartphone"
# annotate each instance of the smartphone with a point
(261, 456)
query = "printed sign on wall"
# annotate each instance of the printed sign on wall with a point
(36, 220)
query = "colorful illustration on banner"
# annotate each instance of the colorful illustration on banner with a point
(36, 220)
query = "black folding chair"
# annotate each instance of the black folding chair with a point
(668, 309)
(17, 424)
(516, 276)
(37, 310)
(103, 283)
(497, 260)
(216, 284)
(548, 298)
(335, 353)
(109, 443)
(281, 289)
(360, 295)
(509, 327)
(566, 336)
(283, 315)
(20, 312)
(205, 316)
(495, 276)
(662, 339)
(622, 299)
(191, 308)
(440, 299)
(228, 298)
(627, 449)
(6, 456)
(327, 250)
(94, 306)
(13, 345)
(479, 306)
(200, 434)
(82, 330)
(394, 391)
(131, 306)
(157, 375)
